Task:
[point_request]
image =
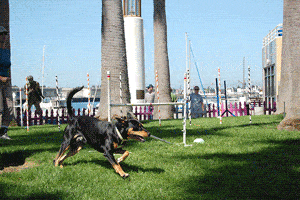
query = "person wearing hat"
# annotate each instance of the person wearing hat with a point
(34, 94)
(150, 95)
(197, 106)
(6, 103)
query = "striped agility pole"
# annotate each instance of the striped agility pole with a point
(121, 97)
(220, 102)
(89, 94)
(21, 107)
(27, 114)
(57, 103)
(249, 92)
(108, 97)
(188, 78)
(156, 81)
(184, 111)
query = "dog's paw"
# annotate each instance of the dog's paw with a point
(119, 160)
(55, 163)
(125, 175)
(61, 166)
(79, 139)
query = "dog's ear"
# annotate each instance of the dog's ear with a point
(122, 120)
(118, 119)
(130, 115)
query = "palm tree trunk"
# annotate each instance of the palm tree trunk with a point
(289, 90)
(113, 58)
(161, 59)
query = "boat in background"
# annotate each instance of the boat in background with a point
(53, 103)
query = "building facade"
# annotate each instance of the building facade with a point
(271, 63)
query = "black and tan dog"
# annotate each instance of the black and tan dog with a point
(105, 137)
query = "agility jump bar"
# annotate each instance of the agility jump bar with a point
(147, 104)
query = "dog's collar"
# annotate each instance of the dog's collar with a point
(119, 134)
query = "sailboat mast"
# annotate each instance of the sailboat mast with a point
(186, 45)
(43, 70)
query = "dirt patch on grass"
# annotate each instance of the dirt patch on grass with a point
(26, 165)
(290, 124)
(16, 161)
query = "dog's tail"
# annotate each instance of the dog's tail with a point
(69, 100)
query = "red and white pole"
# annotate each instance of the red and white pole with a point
(89, 94)
(27, 114)
(184, 109)
(157, 92)
(21, 107)
(121, 97)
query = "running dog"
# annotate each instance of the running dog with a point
(105, 137)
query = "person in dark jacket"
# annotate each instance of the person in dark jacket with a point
(34, 94)
(6, 103)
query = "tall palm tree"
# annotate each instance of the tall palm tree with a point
(161, 59)
(113, 57)
(289, 90)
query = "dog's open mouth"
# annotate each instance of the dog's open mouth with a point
(137, 137)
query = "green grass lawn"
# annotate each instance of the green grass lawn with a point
(237, 161)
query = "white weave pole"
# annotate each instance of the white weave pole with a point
(108, 97)
(249, 92)
(89, 94)
(57, 103)
(156, 81)
(21, 107)
(184, 110)
(27, 114)
(121, 97)
(220, 101)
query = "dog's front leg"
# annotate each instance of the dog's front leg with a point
(124, 153)
(120, 171)
(64, 147)
(114, 163)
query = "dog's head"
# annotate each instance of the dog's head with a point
(133, 129)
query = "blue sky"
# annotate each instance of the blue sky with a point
(222, 32)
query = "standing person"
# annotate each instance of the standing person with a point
(197, 106)
(149, 98)
(173, 96)
(34, 94)
(150, 95)
(6, 103)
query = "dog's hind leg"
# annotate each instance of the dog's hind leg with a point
(75, 146)
(124, 153)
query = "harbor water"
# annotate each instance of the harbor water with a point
(76, 106)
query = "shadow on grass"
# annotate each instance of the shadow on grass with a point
(273, 173)
(4, 194)
(204, 127)
(34, 138)
(13, 159)
(17, 158)
(126, 167)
